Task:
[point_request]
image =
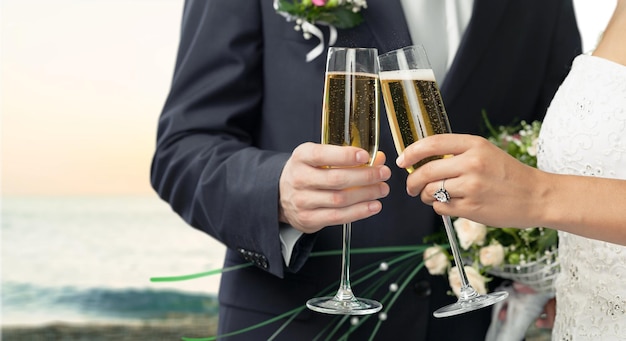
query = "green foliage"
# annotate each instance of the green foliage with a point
(520, 141)
(341, 14)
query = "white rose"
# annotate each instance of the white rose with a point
(436, 260)
(476, 280)
(492, 255)
(532, 149)
(469, 232)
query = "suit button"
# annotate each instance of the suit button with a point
(254, 258)
(422, 288)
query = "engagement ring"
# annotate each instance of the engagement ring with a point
(441, 194)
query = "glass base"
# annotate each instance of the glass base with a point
(471, 304)
(355, 306)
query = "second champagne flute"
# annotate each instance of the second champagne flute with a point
(350, 118)
(415, 110)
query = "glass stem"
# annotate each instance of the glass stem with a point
(467, 291)
(345, 292)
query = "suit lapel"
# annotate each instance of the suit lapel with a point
(386, 22)
(485, 18)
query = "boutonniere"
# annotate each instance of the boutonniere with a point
(307, 14)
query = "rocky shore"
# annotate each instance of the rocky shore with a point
(156, 330)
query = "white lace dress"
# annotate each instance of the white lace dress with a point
(584, 133)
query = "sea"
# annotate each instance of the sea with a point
(90, 259)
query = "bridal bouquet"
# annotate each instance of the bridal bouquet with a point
(526, 256)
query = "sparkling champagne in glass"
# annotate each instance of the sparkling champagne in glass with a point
(415, 110)
(350, 118)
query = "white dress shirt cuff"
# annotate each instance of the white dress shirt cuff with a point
(288, 239)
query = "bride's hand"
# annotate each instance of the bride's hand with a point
(546, 319)
(486, 184)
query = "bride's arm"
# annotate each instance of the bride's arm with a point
(587, 206)
(597, 206)
(489, 186)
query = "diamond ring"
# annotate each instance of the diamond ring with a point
(441, 194)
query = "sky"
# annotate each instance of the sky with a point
(82, 85)
(83, 82)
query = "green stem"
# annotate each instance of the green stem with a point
(385, 249)
(313, 254)
(492, 130)
(198, 275)
(410, 252)
(407, 280)
(244, 330)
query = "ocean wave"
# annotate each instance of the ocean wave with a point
(30, 304)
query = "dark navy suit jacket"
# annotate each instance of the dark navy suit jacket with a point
(243, 97)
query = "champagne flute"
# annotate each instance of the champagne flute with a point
(350, 118)
(415, 110)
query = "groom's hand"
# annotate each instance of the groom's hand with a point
(324, 185)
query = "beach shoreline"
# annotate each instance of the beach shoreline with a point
(154, 330)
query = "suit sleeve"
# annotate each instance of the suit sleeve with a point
(206, 165)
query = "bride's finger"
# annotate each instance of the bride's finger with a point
(440, 144)
(440, 190)
(432, 171)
